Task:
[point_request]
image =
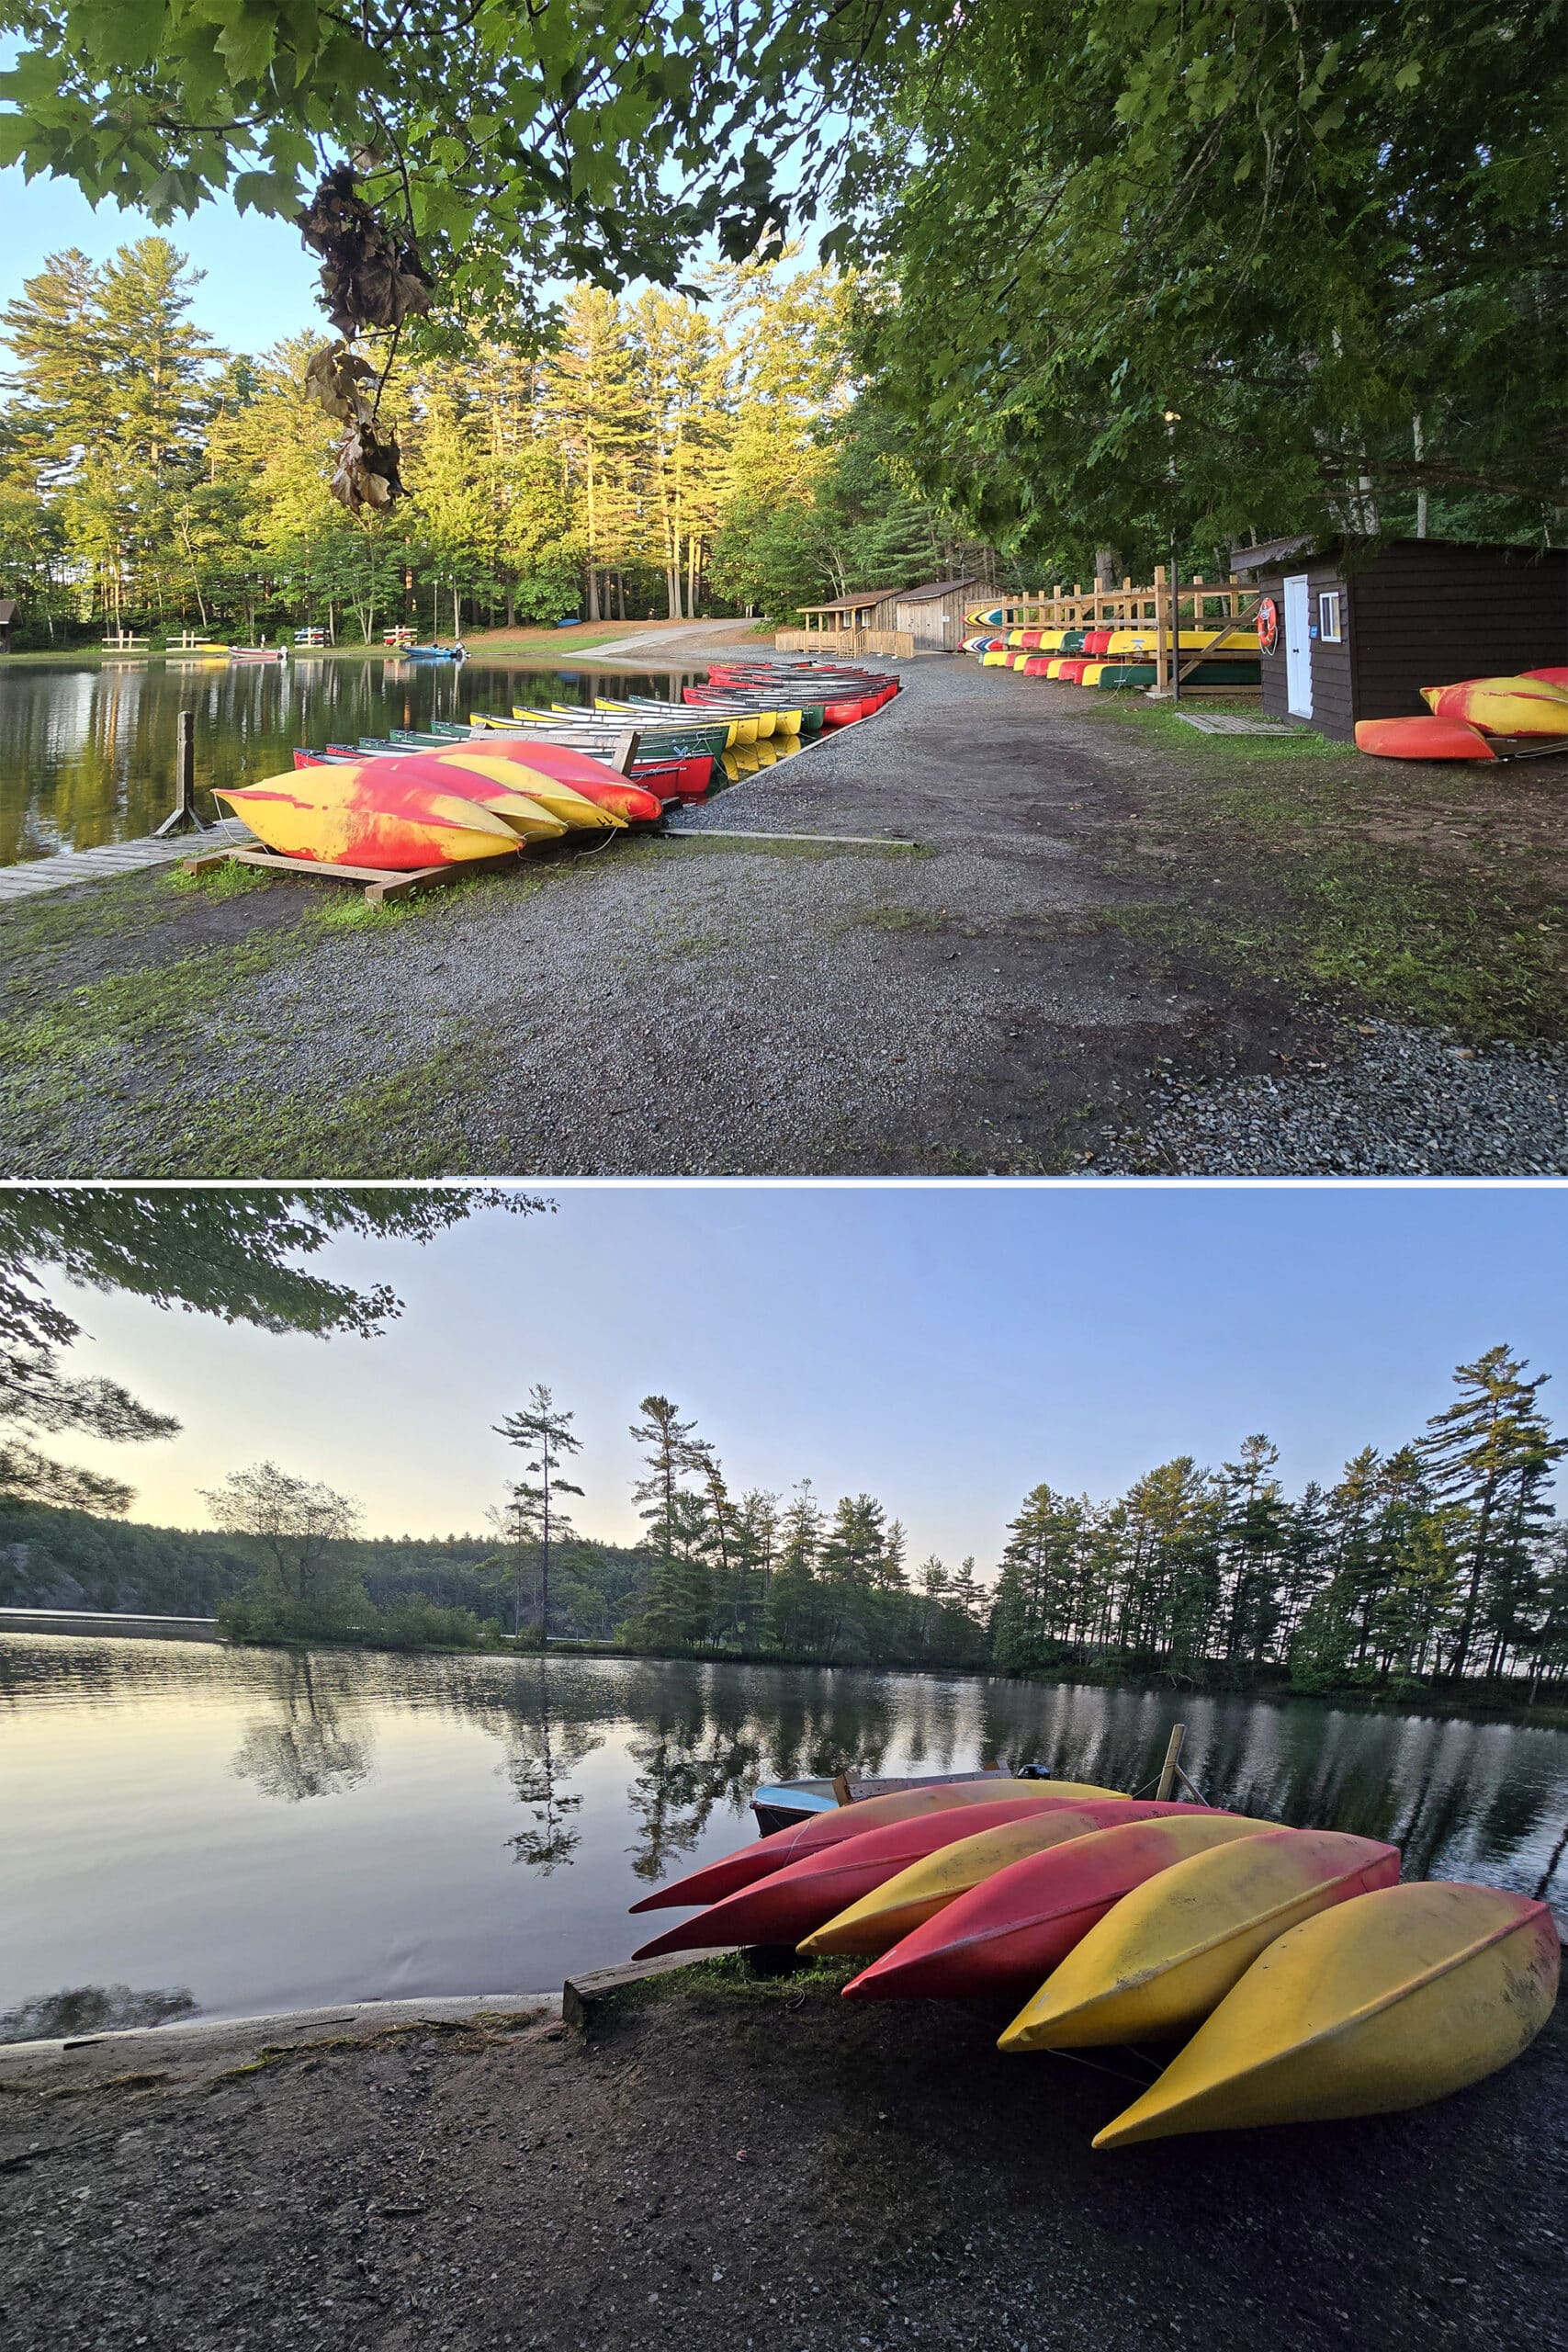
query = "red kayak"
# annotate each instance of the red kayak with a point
(804, 1895)
(825, 1830)
(1007, 1934)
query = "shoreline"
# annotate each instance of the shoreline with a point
(740, 2161)
(1550, 1715)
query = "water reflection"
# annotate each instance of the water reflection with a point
(305, 1751)
(87, 756)
(274, 1830)
(542, 1750)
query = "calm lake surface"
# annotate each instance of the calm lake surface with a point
(88, 755)
(267, 1831)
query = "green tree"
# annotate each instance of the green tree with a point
(676, 1610)
(543, 1434)
(293, 1525)
(1491, 1452)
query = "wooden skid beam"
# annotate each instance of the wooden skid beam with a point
(377, 884)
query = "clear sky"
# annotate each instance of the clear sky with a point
(944, 1348)
(260, 282)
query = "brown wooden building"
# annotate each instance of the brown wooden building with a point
(885, 620)
(1363, 626)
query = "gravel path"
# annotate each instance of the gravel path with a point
(701, 1007)
(1401, 1102)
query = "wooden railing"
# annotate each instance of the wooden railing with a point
(1229, 606)
(890, 643)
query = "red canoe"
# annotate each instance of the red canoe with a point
(805, 1895)
(1007, 1934)
(781, 1846)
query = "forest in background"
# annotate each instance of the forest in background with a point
(657, 457)
(1442, 1562)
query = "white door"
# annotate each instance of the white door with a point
(1298, 647)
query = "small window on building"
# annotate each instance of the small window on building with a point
(1328, 627)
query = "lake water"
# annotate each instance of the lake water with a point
(88, 755)
(267, 1831)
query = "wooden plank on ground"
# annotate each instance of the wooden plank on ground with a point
(377, 882)
(582, 1993)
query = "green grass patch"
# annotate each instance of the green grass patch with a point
(900, 919)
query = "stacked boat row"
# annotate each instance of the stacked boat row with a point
(1114, 658)
(1311, 1982)
(452, 793)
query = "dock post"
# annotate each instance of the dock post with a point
(183, 810)
(1169, 1769)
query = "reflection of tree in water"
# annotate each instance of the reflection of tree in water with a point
(690, 1756)
(543, 1747)
(307, 1752)
(93, 2008)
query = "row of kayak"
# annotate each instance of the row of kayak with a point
(1461, 720)
(452, 794)
(1311, 1982)
(1112, 658)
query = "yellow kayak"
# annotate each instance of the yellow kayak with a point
(881, 1918)
(1172, 1950)
(1390, 2001)
(699, 717)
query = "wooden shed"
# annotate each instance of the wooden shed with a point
(885, 620)
(8, 617)
(1364, 625)
(932, 618)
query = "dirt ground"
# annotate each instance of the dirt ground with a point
(737, 2166)
(1098, 905)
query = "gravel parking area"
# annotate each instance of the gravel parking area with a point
(1005, 999)
(1402, 1103)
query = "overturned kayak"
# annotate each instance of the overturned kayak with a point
(1503, 706)
(876, 1922)
(1008, 1931)
(363, 815)
(1390, 2001)
(1433, 737)
(789, 1903)
(1170, 1950)
(832, 1826)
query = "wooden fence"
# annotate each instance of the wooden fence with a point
(1229, 606)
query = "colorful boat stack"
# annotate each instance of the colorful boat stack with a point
(1298, 1979)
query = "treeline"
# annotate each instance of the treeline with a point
(657, 457)
(1442, 1561)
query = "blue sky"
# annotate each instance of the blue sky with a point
(260, 282)
(945, 1347)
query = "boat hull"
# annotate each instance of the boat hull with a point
(1170, 1950)
(830, 1828)
(880, 1920)
(790, 1904)
(1395, 1999)
(1008, 1931)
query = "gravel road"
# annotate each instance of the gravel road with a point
(719, 1007)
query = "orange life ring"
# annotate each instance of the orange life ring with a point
(1269, 625)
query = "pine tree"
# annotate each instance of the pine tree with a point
(676, 1610)
(792, 1612)
(543, 1435)
(1492, 1453)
